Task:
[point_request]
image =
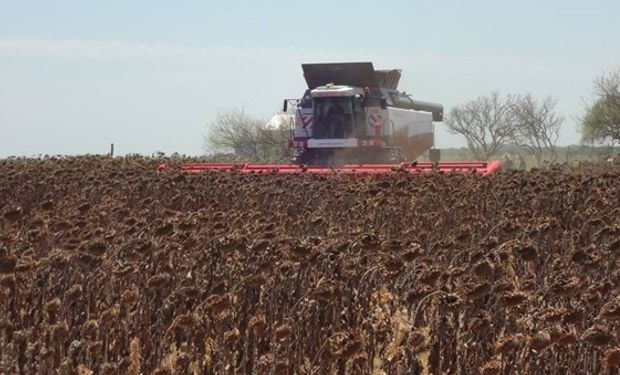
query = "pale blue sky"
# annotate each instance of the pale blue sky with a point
(149, 75)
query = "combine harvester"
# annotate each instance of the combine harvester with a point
(352, 119)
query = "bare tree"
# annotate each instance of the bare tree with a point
(487, 123)
(537, 126)
(250, 139)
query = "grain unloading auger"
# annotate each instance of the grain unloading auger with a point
(352, 119)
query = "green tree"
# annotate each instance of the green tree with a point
(601, 123)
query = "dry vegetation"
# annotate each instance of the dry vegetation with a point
(107, 267)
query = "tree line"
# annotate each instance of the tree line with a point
(488, 123)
